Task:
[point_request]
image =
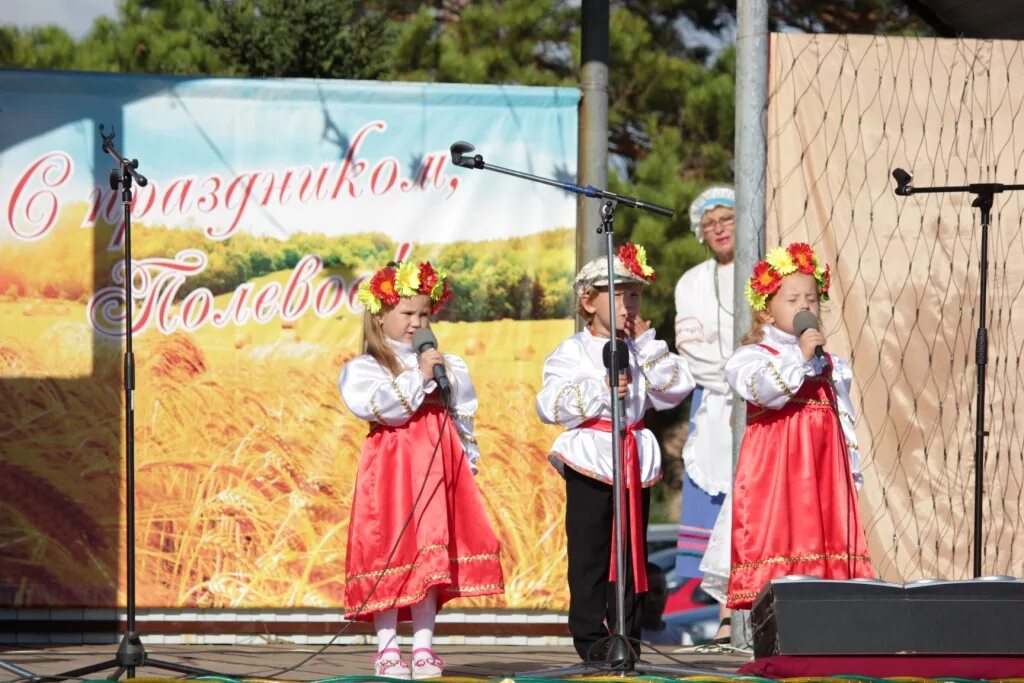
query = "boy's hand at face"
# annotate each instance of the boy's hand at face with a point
(636, 326)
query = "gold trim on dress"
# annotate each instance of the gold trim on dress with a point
(409, 567)
(741, 595)
(401, 397)
(804, 401)
(400, 601)
(407, 600)
(476, 558)
(376, 411)
(485, 588)
(399, 569)
(755, 397)
(777, 376)
(813, 557)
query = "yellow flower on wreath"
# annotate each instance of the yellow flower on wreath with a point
(766, 277)
(407, 278)
(780, 259)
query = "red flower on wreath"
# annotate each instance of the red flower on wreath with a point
(383, 286)
(825, 280)
(803, 257)
(765, 279)
(428, 277)
(636, 261)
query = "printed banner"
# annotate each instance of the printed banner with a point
(267, 203)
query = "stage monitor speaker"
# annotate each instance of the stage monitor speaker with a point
(802, 615)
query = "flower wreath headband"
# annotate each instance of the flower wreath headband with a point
(630, 265)
(635, 259)
(405, 279)
(780, 262)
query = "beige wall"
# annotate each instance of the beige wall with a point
(843, 112)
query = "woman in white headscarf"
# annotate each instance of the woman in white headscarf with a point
(704, 314)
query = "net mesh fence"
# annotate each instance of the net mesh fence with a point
(843, 112)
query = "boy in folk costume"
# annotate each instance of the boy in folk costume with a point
(576, 395)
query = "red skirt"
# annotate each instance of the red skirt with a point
(418, 521)
(794, 503)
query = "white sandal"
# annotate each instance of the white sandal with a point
(389, 664)
(427, 665)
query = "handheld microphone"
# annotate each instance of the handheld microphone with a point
(423, 339)
(803, 321)
(621, 364)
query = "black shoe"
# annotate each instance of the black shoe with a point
(724, 640)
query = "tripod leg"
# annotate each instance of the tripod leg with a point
(80, 673)
(120, 669)
(16, 670)
(181, 668)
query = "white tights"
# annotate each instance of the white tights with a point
(424, 614)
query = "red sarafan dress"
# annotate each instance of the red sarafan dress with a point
(794, 495)
(418, 519)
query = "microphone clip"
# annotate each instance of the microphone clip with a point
(460, 150)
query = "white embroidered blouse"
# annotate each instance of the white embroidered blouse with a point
(575, 391)
(373, 394)
(770, 380)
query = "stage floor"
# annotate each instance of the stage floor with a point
(268, 661)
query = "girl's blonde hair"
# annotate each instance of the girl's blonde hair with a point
(755, 335)
(375, 344)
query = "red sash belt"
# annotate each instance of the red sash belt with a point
(634, 491)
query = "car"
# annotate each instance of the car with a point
(698, 625)
(661, 536)
(683, 594)
(689, 608)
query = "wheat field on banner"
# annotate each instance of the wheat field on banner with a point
(245, 454)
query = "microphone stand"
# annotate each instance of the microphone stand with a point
(621, 656)
(130, 653)
(983, 201)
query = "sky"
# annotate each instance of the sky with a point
(74, 16)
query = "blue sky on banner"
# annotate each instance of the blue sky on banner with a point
(277, 156)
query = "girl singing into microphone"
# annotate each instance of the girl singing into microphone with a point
(793, 507)
(418, 534)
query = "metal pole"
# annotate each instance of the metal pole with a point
(592, 161)
(751, 176)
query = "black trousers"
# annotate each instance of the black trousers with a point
(588, 530)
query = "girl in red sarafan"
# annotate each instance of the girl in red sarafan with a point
(418, 534)
(794, 507)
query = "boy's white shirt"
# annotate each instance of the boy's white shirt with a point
(575, 391)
